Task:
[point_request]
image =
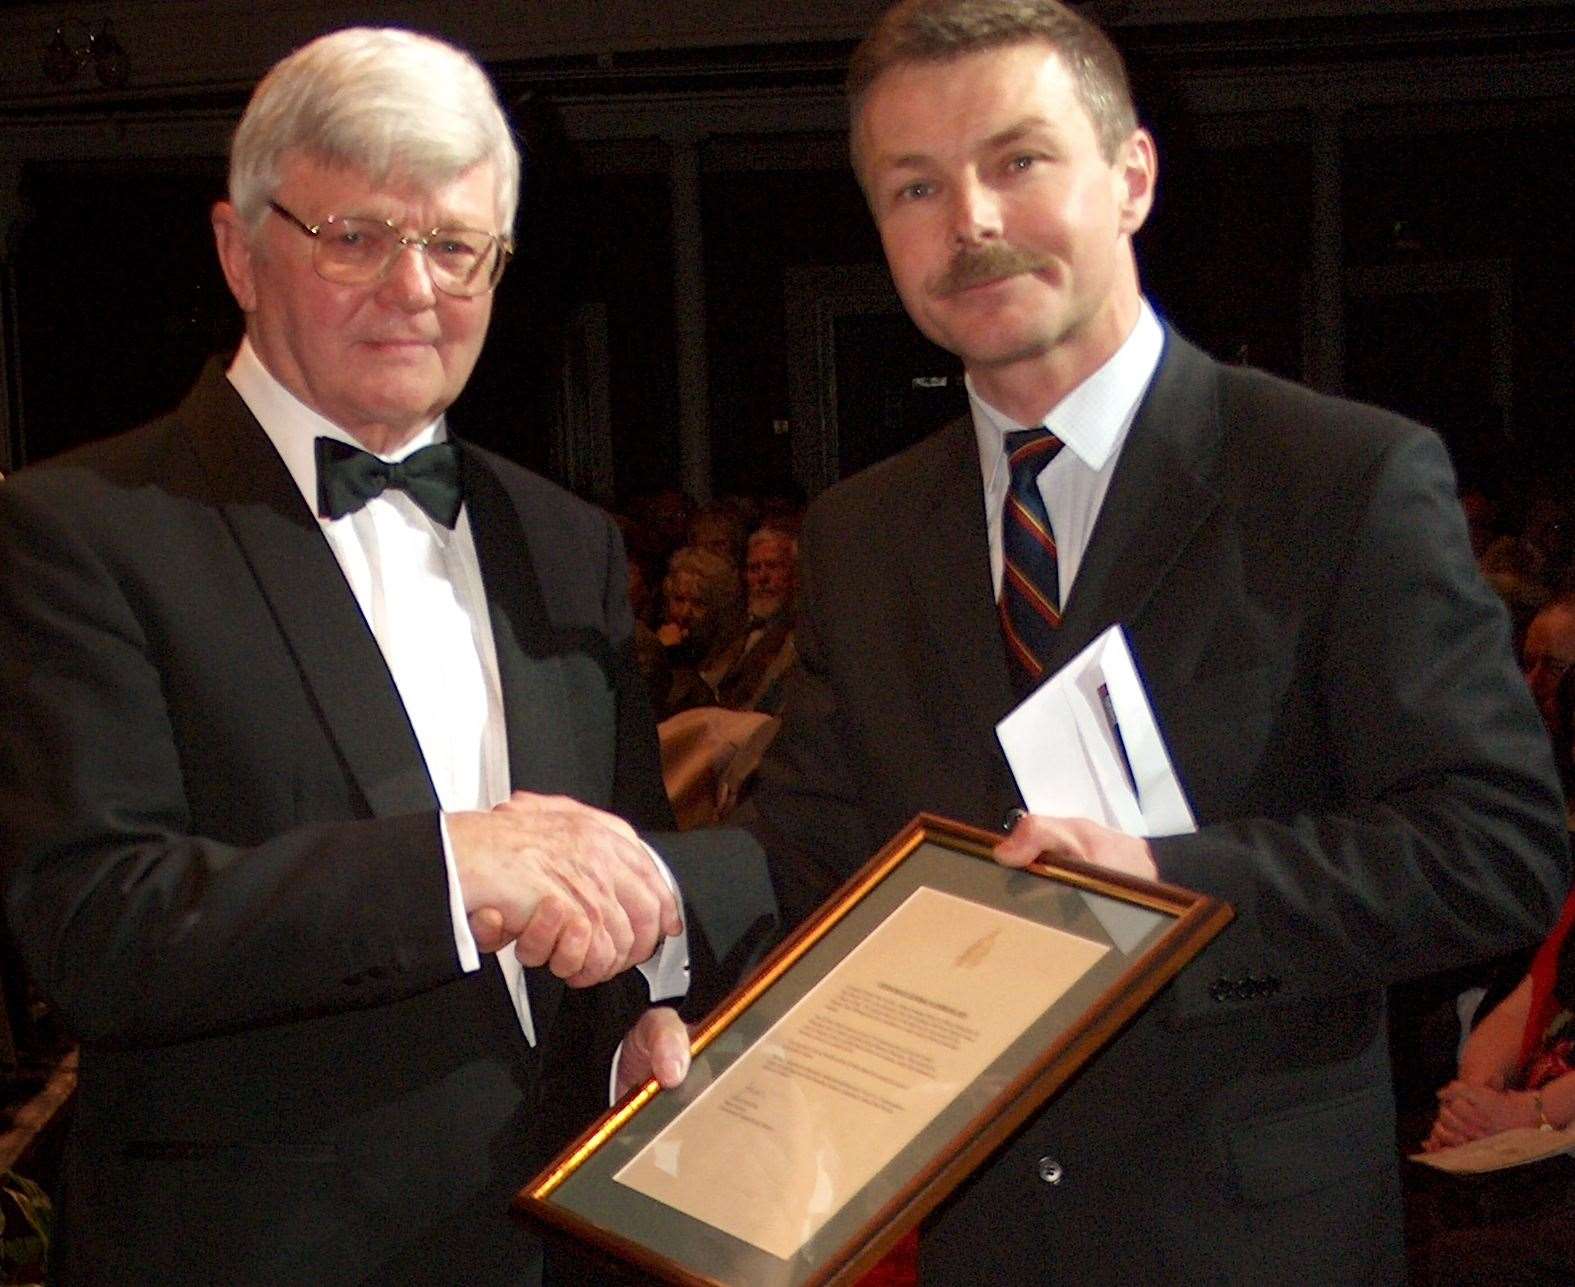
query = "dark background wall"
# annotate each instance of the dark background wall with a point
(1370, 198)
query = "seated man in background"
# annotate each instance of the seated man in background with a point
(746, 672)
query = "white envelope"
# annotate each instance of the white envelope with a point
(1085, 745)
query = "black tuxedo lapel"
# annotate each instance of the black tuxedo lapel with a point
(1160, 495)
(534, 703)
(537, 706)
(341, 666)
(946, 551)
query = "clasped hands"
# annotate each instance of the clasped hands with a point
(572, 887)
(575, 890)
(1472, 1110)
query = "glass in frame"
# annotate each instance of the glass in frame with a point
(870, 1064)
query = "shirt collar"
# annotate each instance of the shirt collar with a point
(293, 427)
(1093, 418)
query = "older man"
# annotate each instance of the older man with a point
(1333, 678)
(770, 573)
(746, 672)
(276, 675)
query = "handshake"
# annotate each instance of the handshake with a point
(575, 890)
(571, 886)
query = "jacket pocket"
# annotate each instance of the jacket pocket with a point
(1277, 1157)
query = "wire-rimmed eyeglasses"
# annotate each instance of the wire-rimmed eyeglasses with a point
(355, 251)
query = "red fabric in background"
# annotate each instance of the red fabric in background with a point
(1544, 969)
(899, 1269)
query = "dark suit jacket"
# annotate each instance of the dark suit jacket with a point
(224, 864)
(1372, 785)
(750, 675)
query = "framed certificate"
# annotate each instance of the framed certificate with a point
(870, 1064)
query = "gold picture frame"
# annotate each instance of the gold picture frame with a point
(872, 1061)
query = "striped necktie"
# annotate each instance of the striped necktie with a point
(1030, 584)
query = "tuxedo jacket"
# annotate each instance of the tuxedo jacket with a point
(224, 864)
(1371, 782)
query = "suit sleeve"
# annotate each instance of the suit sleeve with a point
(139, 928)
(1437, 837)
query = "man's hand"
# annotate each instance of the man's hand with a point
(571, 886)
(657, 1046)
(1035, 835)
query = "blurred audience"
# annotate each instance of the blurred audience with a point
(1527, 557)
(658, 520)
(715, 648)
(1481, 517)
(770, 573)
(1548, 653)
(1516, 1071)
(704, 609)
(719, 527)
(745, 672)
(1547, 528)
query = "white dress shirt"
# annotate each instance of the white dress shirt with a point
(1092, 421)
(418, 585)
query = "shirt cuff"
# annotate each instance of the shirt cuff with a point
(464, 940)
(667, 972)
(612, 1075)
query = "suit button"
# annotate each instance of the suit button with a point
(1050, 1170)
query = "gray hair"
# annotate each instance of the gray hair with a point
(776, 536)
(380, 100)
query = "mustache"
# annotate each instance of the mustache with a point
(975, 265)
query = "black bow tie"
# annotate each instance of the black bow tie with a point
(348, 477)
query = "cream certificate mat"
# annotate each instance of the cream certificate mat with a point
(836, 1088)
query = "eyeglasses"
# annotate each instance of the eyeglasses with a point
(356, 251)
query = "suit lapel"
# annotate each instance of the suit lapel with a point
(536, 710)
(340, 663)
(541, 749)
(944, 545)
(1160, 495)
